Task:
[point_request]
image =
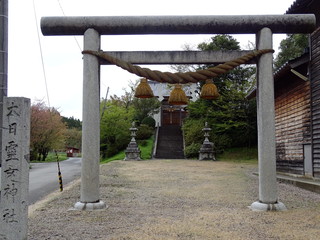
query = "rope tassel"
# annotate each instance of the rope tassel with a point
(178, 96)
(209, 90)
(143, 90)
(182, 78)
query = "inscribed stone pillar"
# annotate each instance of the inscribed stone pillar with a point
(90, 166)
(15, 168)
(3, 58)
(268, 195)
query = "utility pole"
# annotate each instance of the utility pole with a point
(3, 60)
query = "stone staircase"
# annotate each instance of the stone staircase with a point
(170, 143)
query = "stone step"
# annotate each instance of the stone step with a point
(170, 143)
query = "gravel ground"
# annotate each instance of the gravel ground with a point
(176, 199)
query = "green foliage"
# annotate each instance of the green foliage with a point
(231, 117)
(145, 107)
(73, 137)
(117, 114)
(149, 121)
(142, 142)
(114, 128)
(52, 157)
(221, 142)
(72, 122)
(145, 148)
(192, 150)
(220, 42)
(118, 156)
(192, 130)
(47, 131)
(291, 47)
(244, 155)
(144, 132)
(232, 124)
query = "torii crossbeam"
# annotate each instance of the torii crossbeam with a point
(93, 27)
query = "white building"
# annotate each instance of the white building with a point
(171, 114)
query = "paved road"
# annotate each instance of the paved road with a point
(43, 178)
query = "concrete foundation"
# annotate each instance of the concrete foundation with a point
(263, 207)
(89, 206)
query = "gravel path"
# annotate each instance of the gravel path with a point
(176, 199)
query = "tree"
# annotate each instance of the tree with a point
(117, 115)
(114, 127)
(72, 122)
(291, 47)
(144, 108)
(73, 133)
(231, 116)
(220, 42)
(73, 137)
(47, 131)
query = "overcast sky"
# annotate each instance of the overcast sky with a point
(62, 58)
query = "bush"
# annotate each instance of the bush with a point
(192, 130)
(221, 142)
(114, 145)
(144, 132)
(110, 151)
(142, 143)
(149, 121)
(192, 151)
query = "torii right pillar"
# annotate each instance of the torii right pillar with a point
(268, 194)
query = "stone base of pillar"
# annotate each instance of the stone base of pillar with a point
(132, 152)
(264, 207)
(206, 151)
(89, 206)
(206, 156)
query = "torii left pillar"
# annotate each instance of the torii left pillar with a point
(90, 166)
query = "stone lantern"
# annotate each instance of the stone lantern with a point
(206, 151)
(133, 151)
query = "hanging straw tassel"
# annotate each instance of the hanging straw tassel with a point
(178, 96)
(143, 90)
(209, 90)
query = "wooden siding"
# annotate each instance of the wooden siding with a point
(315, 100)
(292, 110)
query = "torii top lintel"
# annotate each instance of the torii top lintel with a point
(210, 24)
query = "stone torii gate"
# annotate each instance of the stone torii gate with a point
(93, 27)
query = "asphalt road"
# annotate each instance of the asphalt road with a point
(43, 177)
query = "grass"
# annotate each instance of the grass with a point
(243, 155)
(146, 152)
(53, 158)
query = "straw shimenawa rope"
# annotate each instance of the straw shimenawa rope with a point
(200, 75)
